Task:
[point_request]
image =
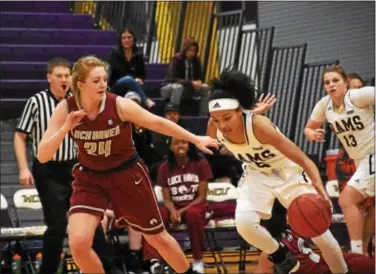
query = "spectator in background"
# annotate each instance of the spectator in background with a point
(142, 138)
(184, 180)
(160, 141)
(185, 77)
(53, 179)
(127, 67)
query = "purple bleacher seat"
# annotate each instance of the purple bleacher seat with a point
(156, 71)
(10, 52)
(35, 6)
(57, 36)
(11, 109)
(196, 124)
(24, 88)
(44, 20)
(24, 70)
(37, 70)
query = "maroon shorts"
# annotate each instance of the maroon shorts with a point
(129, 190)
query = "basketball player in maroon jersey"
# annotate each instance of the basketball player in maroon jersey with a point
(109, 168)
(310, 262)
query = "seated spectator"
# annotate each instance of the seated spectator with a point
(184, 180)
(143, 140)
(127, 68)
(160, 141)
(185, 78)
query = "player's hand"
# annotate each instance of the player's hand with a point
(203, 142)
(140, 81)
(328, 201)
(175, 217)
(264, 103)
(318, 135)
(197, 84)
(26, 178)
(73, 119)
(224, 151)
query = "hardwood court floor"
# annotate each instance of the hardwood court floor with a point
(231, 260)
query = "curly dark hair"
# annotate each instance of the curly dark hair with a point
(234, 84)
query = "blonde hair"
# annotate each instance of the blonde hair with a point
(81, 70)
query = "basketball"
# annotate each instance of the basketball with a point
(309, 215)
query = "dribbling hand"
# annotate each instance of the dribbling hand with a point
(73, 119)
(327, 199)
(203, 142)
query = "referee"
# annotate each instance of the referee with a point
(53, 179)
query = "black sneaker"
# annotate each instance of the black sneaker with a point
(289, 265)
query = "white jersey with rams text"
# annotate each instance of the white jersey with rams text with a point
(268, 174)
(355, 127)
(255, 155)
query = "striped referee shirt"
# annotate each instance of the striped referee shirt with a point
(34, 122)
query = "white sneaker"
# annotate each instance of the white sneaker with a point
(198, 266)
(155, 267)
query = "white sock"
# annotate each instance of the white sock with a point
(357, 246)
(331, 252)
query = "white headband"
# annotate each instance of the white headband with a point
(223, 104)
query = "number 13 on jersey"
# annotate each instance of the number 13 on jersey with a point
(98, 148)
(371, 164)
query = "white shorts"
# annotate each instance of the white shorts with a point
(363, 179)
(257, 191)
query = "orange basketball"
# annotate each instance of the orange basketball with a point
(309, 215)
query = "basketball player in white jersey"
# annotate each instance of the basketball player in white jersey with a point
(274, 168)
(350, 115)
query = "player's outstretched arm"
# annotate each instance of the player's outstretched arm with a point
(132, 112)
(60, 124)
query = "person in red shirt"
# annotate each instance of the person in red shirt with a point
(310, 262)
(109, 169)
(184, 180)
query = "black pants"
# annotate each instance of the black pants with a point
(53, 181)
